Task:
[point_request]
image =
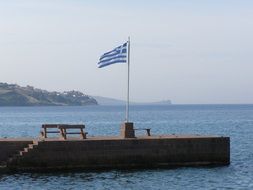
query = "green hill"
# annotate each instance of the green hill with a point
(15, 95)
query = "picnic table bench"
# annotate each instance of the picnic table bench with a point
(145, 129)
(62, 129)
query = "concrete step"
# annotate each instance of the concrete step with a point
(32, 146)
(23, 152)
(15, 158)
(35, 142)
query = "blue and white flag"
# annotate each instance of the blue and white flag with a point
(117, 55)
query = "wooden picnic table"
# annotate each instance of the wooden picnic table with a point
(64, 132)
(62, 129)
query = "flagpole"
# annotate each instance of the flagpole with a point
(128, 80)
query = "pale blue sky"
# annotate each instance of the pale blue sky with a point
(187, 51)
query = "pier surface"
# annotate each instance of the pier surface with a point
(114, 152)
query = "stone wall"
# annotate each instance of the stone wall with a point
(127, 153)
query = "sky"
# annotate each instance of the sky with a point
(188, 51)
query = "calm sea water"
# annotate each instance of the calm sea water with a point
(235, 121)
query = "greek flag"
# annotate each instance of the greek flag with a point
(117, 55)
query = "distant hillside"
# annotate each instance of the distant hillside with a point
(15, 95)
(164, 102)
(108, 101)
(112, 101)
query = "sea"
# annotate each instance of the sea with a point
(235, 121)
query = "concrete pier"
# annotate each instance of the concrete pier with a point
(114, 152)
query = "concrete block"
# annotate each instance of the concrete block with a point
(127, 130)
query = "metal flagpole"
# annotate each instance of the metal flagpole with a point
(128, 74)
